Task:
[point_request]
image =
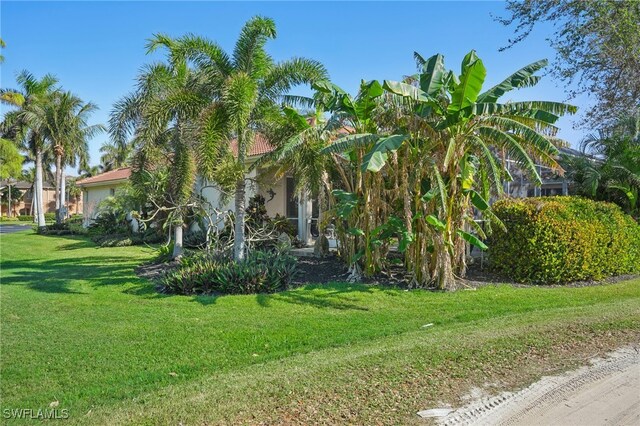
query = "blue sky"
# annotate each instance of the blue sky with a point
(97, 48)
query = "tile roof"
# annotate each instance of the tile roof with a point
(260, 146)
(118, 174)
(24, 185)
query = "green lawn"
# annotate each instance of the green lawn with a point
(79, 327)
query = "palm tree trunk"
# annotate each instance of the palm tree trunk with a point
(177, 241)
(57, 190)
(40, 205)
(239, 237)
(63, 190)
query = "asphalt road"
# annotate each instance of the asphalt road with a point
(11, 228)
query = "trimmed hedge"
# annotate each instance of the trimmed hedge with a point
(48, 217)
(552, 240)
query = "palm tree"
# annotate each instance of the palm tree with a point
(115, 156)
(245, 90)
(610, 171)
(67, 131)
(26, 124)
(161, 116)
(87, 171)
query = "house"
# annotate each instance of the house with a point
(552, 184)
(97, 188)
(280, 195)
(25, 205)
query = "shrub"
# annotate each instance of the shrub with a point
(260, 272)
(25, 218)
(9, 219)
(195, 240)
(49, 217)
(562, 239)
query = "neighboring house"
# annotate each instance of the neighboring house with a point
(552, 184)
(99, 187)
(25, 201)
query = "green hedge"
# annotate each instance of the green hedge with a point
(553, 240)
(48, 217)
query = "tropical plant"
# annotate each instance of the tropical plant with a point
(10, 160)
(66, 128)
(161, 115)
(423, 155)
(609, 170)
(245, 90)
(87, 171)
(115, 156)
(26, 124)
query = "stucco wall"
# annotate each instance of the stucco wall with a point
(92, 196)
(278, 204)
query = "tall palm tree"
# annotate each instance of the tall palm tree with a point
(245, 91)
(67, 130)
(160, 115)
(27, 124)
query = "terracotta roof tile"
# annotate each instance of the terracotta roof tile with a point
(260, 146)
(118, 174)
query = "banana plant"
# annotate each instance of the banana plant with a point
(456, 140)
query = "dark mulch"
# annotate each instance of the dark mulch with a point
(320, 270)
(153, 271)
(314, 270)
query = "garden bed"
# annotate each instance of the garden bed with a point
(315, 270)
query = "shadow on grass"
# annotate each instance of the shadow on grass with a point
(54, 276)
(332, 296)
(94, 265)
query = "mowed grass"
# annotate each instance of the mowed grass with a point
(78, 327)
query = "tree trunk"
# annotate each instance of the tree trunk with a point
(40, 205)
(63, 197)
(177, 241)
(58, 197)
(239, 238)
(239, 242)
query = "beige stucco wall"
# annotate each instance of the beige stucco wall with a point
(278, 204)
(92, 196)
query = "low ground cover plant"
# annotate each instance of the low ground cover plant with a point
(553, 240)
(203, 273)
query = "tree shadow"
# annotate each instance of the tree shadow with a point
(334, 296)
(78, 244)
(56, 275)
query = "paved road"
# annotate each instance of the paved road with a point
(607, 392)
(11, 228)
